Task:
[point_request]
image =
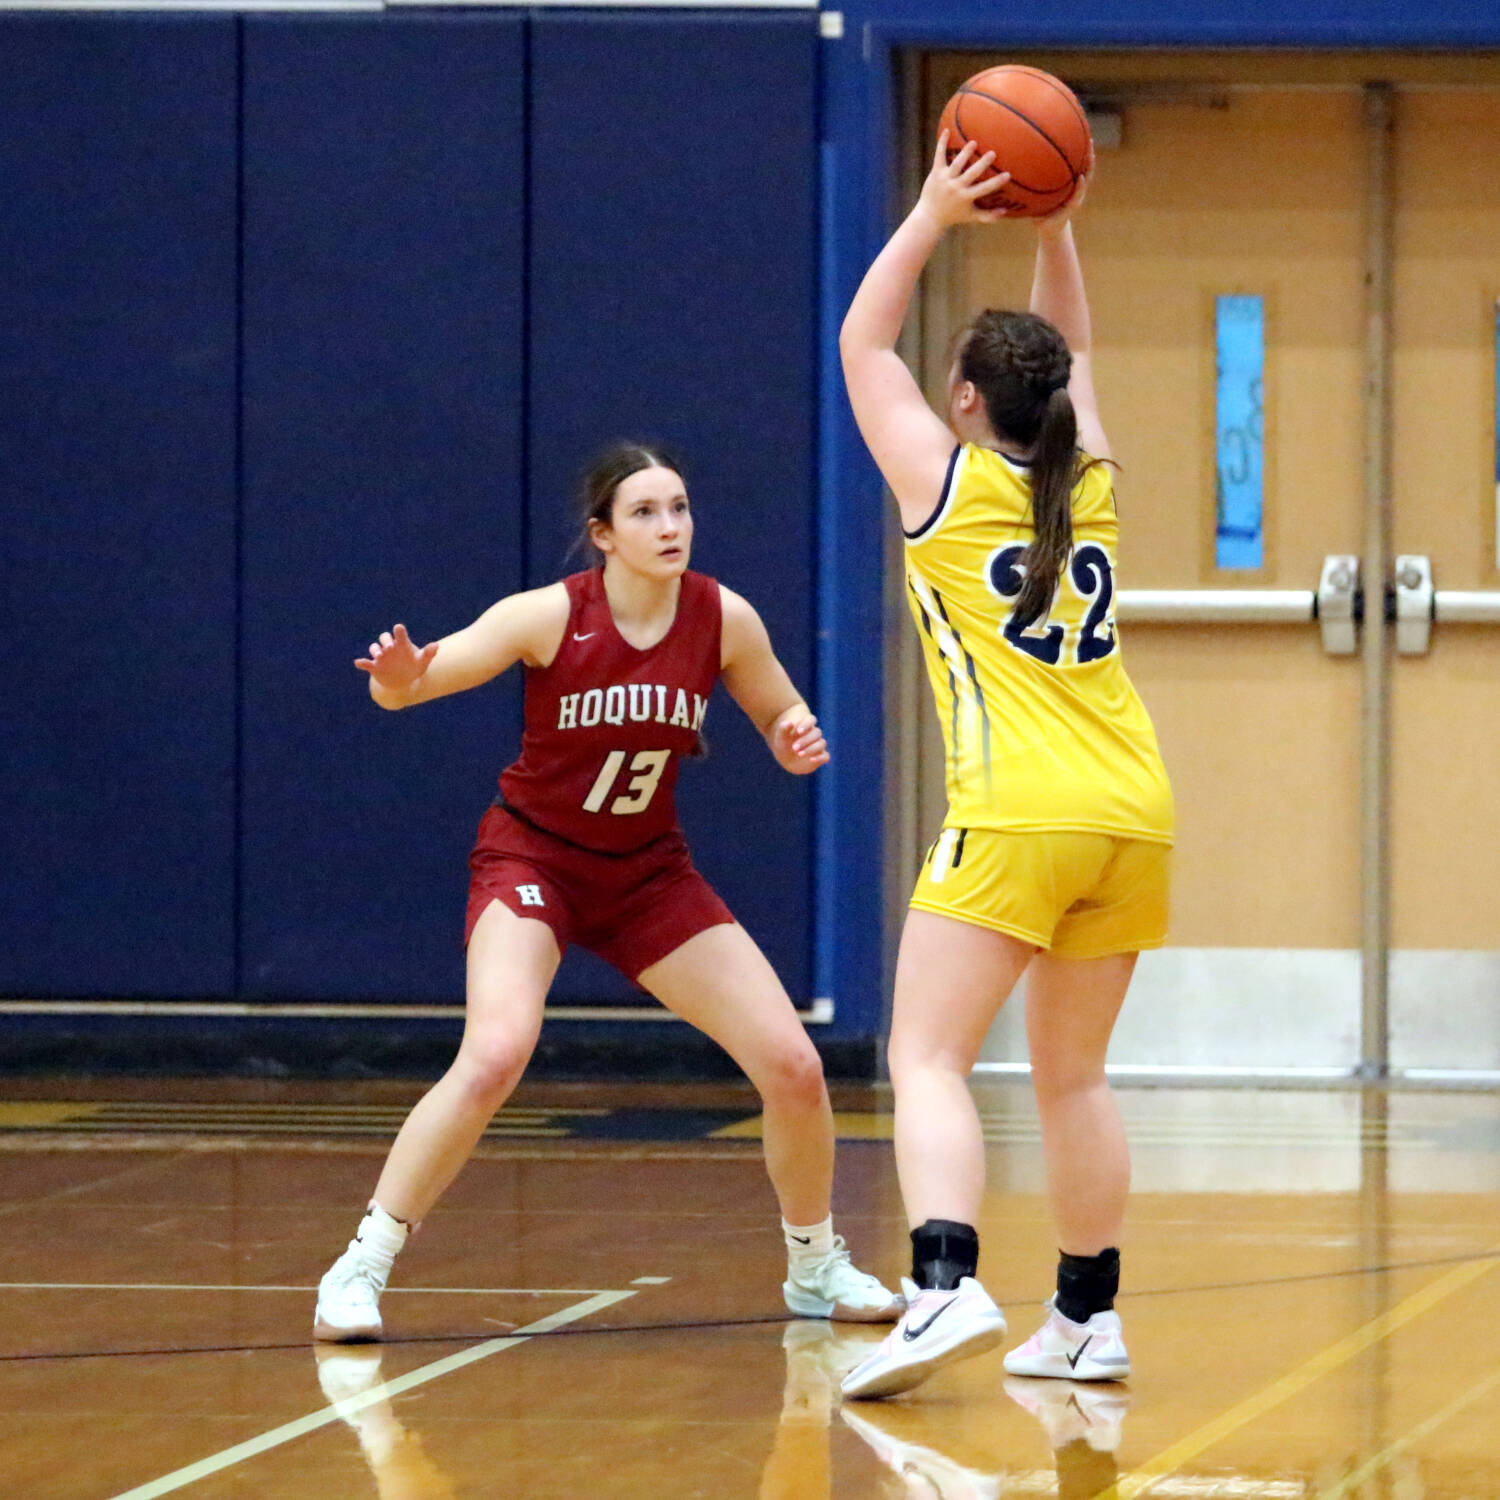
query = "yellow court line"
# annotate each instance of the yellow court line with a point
(1354, 1481)
(22, 1114)
(1140, 1480)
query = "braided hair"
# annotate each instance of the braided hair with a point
(1020, 365)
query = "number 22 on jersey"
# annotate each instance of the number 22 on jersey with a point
(1089, 575)
(645, 770)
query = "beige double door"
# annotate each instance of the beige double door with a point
(1251, 175)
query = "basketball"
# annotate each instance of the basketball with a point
(1037, 129)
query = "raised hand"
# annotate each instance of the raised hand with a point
(952, 190)
(1049, 225)
(395, 661)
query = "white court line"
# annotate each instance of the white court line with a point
(440, 1291)
(180, 1478)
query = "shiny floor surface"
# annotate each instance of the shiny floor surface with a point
(1312, 1284)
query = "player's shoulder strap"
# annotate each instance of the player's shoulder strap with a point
(945, 497)
(992, 482)
(700, 595)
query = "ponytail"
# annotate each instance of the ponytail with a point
(1055, 467)
(1020, 364)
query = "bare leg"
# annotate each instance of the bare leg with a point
(951, 979)
(510, 966)
(1071, 1006)
(722, 983)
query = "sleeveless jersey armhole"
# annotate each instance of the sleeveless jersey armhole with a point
(576, 587)
(944, 500)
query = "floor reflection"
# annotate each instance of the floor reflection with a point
(349, 1375)
(1083, 1424)
(818, 1356)
(896, 1436)
(931, 1458)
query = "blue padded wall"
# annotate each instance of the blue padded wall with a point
(384, 195)
(673, 266)
(117, 344)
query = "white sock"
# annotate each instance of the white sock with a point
(807, 1242)
(379, 1238)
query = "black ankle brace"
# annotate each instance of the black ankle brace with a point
(942, 1253)
(1087, 1284)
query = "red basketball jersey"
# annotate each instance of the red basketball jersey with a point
(606, 724)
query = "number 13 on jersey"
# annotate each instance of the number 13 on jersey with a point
(645, 770)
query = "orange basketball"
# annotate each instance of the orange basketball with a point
(1037, 129)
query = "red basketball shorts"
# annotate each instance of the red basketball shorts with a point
(631, 909)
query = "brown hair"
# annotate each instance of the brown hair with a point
(607, 473)
(1020, 365)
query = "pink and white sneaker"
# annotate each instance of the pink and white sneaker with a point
(1065, 1350)
(936, 1329)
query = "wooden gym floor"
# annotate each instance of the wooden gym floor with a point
(1313, 1283)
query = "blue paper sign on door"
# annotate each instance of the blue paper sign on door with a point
(1239, 409)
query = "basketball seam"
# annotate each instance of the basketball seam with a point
(1020, 115)
(1063, 91)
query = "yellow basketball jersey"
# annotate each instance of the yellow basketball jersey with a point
(1042, 728)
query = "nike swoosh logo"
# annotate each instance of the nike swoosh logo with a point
(800, 1240)
(912, 1334)
(1077, 1354)
(587, 637)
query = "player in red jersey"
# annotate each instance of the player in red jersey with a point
(583, 846)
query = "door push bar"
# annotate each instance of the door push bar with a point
(1336, 604)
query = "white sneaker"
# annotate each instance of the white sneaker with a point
(349, 1299)
(834, 1287)
(1094, 1414)
(1064, 1350)
(936, 1329)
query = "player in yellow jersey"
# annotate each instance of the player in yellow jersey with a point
(1053, 858)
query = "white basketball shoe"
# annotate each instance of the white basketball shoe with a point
(1064, 1350)
(349, 1299)
(349, 1293)
(832, 1286)
(936, 1329)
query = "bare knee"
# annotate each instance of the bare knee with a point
(1065, 1078)
(910, 1059)
(792, 1077)
(489, 1067)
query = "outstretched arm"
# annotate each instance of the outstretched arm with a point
(910, 443)
(522, 627)
(1057, 294)
(759, 684)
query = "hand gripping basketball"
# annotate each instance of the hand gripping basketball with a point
(1036, 128)
(954, 186)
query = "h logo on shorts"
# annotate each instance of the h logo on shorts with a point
(531, 895)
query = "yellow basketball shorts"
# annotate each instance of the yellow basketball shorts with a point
(1078, 895)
